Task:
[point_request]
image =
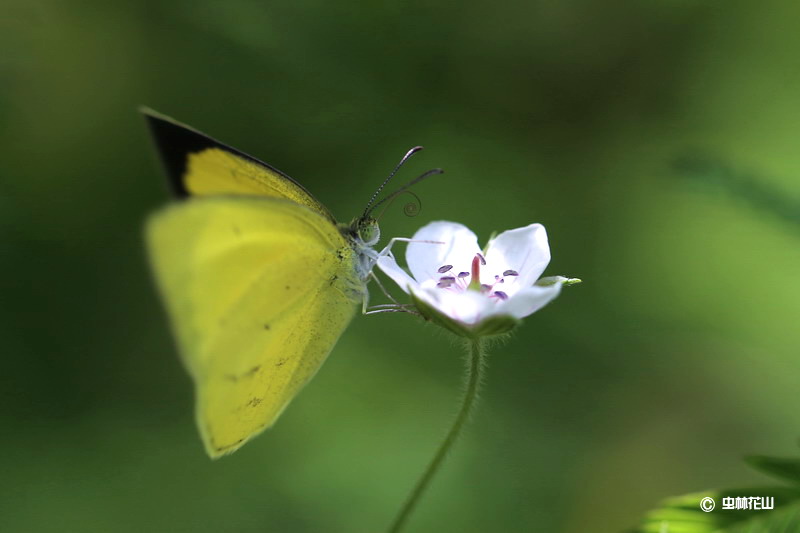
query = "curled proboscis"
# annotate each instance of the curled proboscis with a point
(412, 208)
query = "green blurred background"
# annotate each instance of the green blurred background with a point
(676, 356)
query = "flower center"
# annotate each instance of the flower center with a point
(464, 281)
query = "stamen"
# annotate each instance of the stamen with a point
(445, 282)
(463, 274)
(511, 273)
(445, 268)
(501, 295)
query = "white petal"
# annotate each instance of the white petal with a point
(524, 250)
(389, 266)
(424, 259)
(468, 307)
(527, 301)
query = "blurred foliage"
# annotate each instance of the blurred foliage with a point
(684, 514)
(741, 185)
(676, 355)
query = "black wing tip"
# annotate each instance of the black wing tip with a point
(174, 142)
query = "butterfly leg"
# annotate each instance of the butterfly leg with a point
(386, 293)
(403, 309)
(394, 307)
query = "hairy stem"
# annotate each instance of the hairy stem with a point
(474, 376)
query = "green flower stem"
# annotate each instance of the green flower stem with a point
(474, 376)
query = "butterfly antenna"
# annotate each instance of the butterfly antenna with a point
(400, 164)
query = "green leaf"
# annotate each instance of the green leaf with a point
(781, 468)
(683, 514)
(779, 521)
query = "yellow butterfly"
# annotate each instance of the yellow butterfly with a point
(258, 279)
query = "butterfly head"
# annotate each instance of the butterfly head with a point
(363, 234)
(366, 231)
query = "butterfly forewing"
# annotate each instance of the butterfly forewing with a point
(199, 165)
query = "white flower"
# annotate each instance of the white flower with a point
(469, 286)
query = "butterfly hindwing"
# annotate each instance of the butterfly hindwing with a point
(258, 291)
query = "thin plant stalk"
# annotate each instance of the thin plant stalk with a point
(474, 376)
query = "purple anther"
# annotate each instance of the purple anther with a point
(445, 268)
(511, 273)
(445, 282)
(501, 295)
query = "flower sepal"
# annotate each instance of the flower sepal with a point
(488, 327)
(552, 280)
